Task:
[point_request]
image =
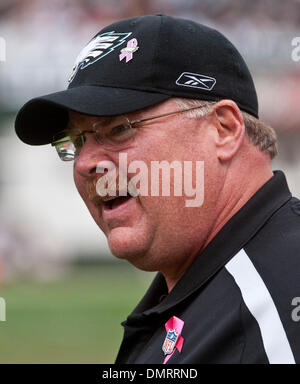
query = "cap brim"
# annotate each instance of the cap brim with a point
(41, 118)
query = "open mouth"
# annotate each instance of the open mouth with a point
(117, 201)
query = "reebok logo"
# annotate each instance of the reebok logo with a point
(194, 80)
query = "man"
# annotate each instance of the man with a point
(153, 89)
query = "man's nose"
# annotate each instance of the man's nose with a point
(92, 160)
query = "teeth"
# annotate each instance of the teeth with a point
(108, 198)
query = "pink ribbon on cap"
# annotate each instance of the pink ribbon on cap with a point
(174, 323)
(128, 51)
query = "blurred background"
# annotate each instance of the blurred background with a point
(65, 293)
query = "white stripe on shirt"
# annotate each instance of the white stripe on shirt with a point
(261, 305)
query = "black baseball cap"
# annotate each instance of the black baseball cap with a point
(139, 62)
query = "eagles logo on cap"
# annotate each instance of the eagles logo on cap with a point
(97, 48)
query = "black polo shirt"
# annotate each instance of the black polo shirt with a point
(239, 300)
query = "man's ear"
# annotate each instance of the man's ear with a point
(230, 129)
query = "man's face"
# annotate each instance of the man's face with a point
(151, 231)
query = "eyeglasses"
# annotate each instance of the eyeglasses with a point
(69, 142)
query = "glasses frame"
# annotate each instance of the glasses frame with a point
(131, 124)
(137, 121)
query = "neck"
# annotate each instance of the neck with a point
(235, 193)
(234, 202)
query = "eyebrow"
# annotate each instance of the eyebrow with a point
(71, 125)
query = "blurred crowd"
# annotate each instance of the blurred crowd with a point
(226, 12)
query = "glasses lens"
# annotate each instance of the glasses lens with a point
(116, 137)
(66, 150)
(68, 144)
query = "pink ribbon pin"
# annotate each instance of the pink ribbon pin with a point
(173, 339)
(128, 51)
